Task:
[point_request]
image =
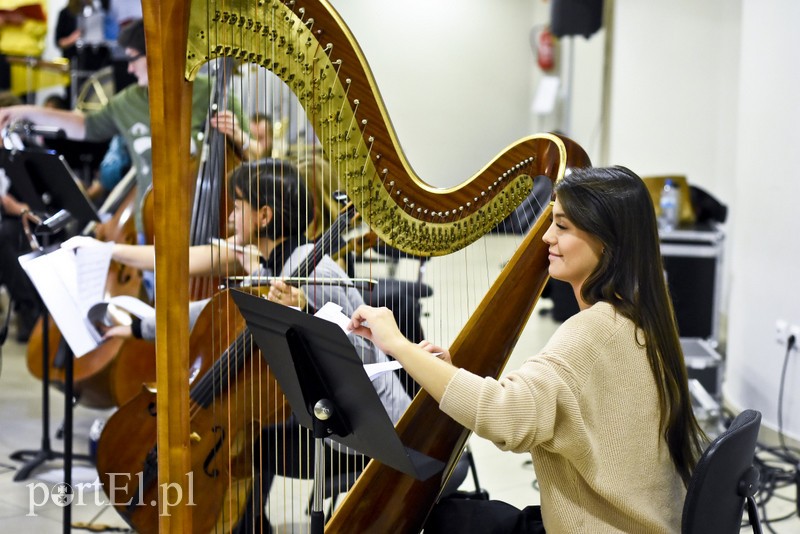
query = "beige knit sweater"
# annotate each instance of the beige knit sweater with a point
(586, 408)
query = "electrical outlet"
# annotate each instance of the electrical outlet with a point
(781, 331)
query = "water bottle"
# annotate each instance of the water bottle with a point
(668, 201)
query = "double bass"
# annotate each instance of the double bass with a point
(308, 46)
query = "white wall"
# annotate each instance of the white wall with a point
(765, 258)
(709, 89)
(454, 75)
(674, 89)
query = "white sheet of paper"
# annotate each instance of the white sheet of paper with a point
(546, 94)
(133, 305)
(91, 270)
(55, 281)
(376, 369)
(333, 313)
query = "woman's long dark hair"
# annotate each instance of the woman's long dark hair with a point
(613, 205)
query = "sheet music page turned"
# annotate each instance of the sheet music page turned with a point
(55, 277)
(72, 280)
(333, 312)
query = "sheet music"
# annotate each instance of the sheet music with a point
(376, 369)
(71, 281)
(133, 306)
(333, 312)
(91, 270)
(54, 277)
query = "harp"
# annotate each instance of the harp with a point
(308, 46)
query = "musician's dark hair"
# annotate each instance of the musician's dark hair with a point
(274, 183)
(132, 36)
(613, 205)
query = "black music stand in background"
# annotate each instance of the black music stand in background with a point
(329, 392)
(45, 182)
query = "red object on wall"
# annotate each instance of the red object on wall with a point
(545, 50)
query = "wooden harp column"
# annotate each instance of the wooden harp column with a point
(308, 46)
(166, 23)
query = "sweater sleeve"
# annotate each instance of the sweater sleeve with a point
(538, 404)
(532, 406)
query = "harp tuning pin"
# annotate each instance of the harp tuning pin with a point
(371, 139)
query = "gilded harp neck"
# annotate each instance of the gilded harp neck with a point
(308, 46)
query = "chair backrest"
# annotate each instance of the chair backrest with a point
(715, 500)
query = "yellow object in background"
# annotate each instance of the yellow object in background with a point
(29, 75)
(23, 27)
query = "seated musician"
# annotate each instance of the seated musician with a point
(604, 409)
(254, 145)
(270, 215)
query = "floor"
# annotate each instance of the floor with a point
(25, 506)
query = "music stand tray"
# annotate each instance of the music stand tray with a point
(313, 361)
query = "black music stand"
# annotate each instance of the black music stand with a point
(329, 392)
(44, 181)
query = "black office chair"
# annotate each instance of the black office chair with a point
(724, 480)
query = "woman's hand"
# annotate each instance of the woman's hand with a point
(379, 326)
(439, 352)
(119, 331)
(282, 293)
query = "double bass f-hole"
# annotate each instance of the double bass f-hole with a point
(214, 450)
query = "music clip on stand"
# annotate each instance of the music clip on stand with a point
(324, 381)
